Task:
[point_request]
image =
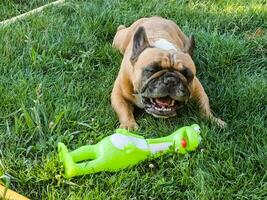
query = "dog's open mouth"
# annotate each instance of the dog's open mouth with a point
(162, 106)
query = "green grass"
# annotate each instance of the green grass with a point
(56, 74)
(11, 8)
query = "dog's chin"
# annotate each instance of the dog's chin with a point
(163, 107)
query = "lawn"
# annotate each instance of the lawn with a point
(11, 8)
(57, 69)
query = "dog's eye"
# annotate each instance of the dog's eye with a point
(151, 70)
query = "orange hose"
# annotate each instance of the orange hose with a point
(11, 195)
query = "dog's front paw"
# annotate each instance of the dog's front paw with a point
(129, 125)
(219, 122)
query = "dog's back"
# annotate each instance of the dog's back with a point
(156, 28)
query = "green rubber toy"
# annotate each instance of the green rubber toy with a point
(124, 149)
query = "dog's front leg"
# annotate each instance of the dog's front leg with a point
(124, 110)
(203, 103)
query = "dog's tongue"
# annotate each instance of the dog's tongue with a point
(162, 102)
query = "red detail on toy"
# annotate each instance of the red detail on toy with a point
(183, 143)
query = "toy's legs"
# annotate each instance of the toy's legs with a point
(89, 167)
(83, 153)
(66, 159)
(62, 151)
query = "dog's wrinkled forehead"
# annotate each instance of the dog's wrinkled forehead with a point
(166, 59)
(144, 53)
(171, 61)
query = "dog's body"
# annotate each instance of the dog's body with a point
(157, 72)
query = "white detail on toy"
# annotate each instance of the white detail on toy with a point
(197, 129)
(155, 148)
(121, 141)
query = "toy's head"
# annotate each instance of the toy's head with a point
(187, 138)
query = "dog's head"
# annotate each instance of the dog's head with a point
(162, 78)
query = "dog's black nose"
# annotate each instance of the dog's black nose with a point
(169, 79)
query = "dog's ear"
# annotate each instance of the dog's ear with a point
(140, 43)
(188, 74)
(190, 45)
